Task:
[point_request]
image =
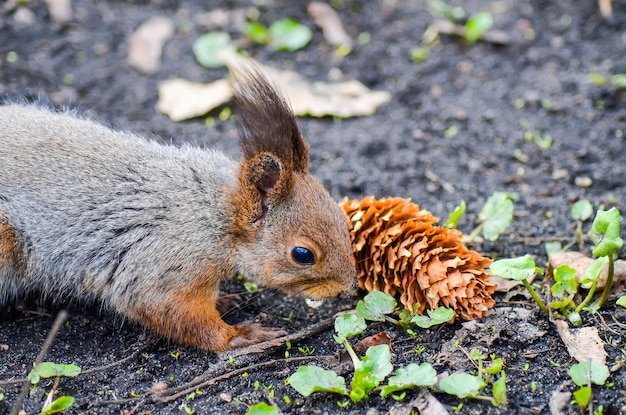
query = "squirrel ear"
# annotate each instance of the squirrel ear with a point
(266, 122)
(264, 182)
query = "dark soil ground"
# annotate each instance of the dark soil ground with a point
(485, 90)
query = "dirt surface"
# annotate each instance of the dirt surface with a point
(484, 90)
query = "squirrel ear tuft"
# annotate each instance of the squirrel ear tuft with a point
(266, 122)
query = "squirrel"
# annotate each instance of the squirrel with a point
(150, 230)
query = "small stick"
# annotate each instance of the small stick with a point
(42, 353)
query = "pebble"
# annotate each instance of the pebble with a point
(583, 181)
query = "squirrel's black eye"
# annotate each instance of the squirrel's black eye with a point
(302, 255)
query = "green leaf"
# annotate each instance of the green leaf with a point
(376, 305)
(552, 247)
(618, 80)
(518, 269)
(582, 397)
(582, 210)
(211, 48)
(412, 376)
(461, 385)
(495, 366)
(477, 25)
(607, 224)
(309, 379)
(456, 215)
(438, 316)
(566, 285)
(349, 325)
(499, 390)
(582, 372)
(497, 214)
(257, 32)
(289, 35)
(262, 408)
(372, 370)
(58, 405)
(621, 301)
(50, 370)
(592, 273)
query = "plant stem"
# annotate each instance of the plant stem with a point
(353, 356)
(592, 291)
(536, 297)
(470, 238)
(608, 286)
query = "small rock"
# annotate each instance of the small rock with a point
(559, 174)
(60, 11)
(583, 181)
(225, 397)
(24, 17)
(146, 44)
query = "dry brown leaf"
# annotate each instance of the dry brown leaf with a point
(400, 252)
(328, 20)
(185, 100)
(374, 340)
(146, 44)
(60, 11)
(579, 262)
(181, 99)
(583, 344)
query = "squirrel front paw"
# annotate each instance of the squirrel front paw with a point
(252, 333)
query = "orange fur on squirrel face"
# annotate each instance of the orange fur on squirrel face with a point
(9, 250)
(400, 252)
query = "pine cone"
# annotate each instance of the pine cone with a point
(400, 252)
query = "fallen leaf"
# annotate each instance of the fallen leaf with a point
(60, 11)
(583, 344)
(328, 20)
(579, 262)
(559, 400)
(181, 99)
(146, 44)
(375, 340)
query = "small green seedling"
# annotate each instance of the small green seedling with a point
(262, 408)
(462, 385)
(477, 25)
(584, 375)
(456, 215)
(621, 301)
(496, 215)
(54, 370)
(435, 317)
(519, 269)
(310, 379)
(617, 81)
(211, 49)
(282, 35)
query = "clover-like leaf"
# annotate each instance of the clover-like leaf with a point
(461, 385)
(349, 325)
(566, 285)
(60, 404)
(607, 224)
(410, 377)
(211, 48)
(582, 210)
(376, 305)
(519, 268)
(46, 370)
(438, 316)
(372, 370)
(257, 32)
(499, 390)
(289, 35)
(621, 301)
(310, 379)
(582, 397)
(497, 214)
(592, 273)
(262, 408)
(582, 373)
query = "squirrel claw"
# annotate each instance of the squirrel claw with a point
(253, 333)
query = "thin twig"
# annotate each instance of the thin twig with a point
(42, 353)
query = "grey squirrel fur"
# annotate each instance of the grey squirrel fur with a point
(150, 230)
